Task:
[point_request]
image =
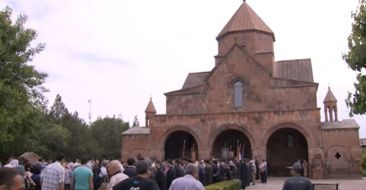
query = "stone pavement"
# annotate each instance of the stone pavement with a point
(276, 183)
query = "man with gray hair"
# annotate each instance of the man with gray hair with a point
(188, 181)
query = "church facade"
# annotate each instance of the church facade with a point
(250, 106)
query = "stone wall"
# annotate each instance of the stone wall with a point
(261, 91)
(342, 153)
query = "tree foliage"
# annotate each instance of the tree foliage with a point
(20, 84)
(356, 59)
(107, 132)
(25, 122)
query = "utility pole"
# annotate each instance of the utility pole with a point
(90, 110)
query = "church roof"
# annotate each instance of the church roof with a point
(195, 79)
(245, 19)
(363, 142)
(150, 107)
(345, 124)
(137, 131)
(330, 96)
(297, 69)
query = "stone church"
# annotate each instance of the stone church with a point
(251, 106)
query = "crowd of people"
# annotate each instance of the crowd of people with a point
(107, 175)
(140, 174)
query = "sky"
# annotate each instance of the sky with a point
(119, 53)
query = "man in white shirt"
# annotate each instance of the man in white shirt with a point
(53, 176)
(188, 181)
(115, 170)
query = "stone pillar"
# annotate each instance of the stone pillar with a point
(335, 113)
(259, 154)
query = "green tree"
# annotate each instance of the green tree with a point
(74, 131)
(81, 142)
(356, 59)
(107, 133)
(57, 111)
(20, 83)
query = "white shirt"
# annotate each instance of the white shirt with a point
(116, 179)
(52, 176)
(186, 182)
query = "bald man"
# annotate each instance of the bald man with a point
(115, 171)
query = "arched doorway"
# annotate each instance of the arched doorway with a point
(231, 144)
(182, 145)
(285, 147)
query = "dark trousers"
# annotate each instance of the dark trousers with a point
(264, 177)
(67, 187)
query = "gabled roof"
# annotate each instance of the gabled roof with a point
(150, 107)
(137, 131)
(240, 48)
(245, 19)
(330, 96)
(363, 142)
(345, 124)
(195, 79)
(297, 69)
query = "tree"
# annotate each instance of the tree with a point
(107, 133)
(20, 83)
(58, 110)
(81, 142)
(356, 60)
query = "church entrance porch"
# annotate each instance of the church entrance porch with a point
(181, 145)
(231, 144)
(285, 147)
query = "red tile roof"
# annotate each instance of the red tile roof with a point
(150, 107)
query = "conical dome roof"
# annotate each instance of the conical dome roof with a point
(330, 96)
(150, 107)
(245, 19)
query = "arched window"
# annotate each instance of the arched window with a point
(238, 94)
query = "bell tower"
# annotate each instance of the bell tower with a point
(248, 30)
(149, 112)
(330, 107)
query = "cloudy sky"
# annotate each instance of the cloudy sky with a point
(118, 53)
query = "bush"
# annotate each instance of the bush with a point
(225, 185)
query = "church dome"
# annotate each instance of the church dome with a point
(245, 19)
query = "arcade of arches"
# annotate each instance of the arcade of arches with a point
(284, 147)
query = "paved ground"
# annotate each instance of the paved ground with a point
(344, 184)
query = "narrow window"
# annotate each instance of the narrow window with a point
(238, 94)
(290, 141)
